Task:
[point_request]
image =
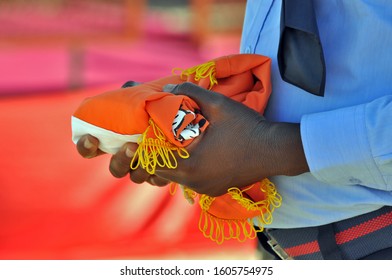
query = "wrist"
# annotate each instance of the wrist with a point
(280, 150)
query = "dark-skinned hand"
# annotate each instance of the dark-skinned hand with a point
(238, 148)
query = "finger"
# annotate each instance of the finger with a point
(120, 162)
(130, 84)
(139, 175)
(206, 99)
(87, 146)
(157, 181)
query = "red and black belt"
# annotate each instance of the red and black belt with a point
(360, 237)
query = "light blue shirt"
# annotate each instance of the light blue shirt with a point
(347, 134)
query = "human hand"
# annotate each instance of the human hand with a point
(237, 149)
(88, 147)
(212, 165)
(119, 166)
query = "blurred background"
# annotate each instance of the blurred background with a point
(54, 53)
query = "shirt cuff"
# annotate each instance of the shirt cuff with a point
(337, 148)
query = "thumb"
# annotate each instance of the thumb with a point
(203, 97)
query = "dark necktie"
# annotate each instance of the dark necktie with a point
(300, 54)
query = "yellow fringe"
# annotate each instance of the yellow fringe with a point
(216, 229)
(189, 194)
(266, 207)
(173, 188)
(202, 71)
(153, 152)
(219, 230)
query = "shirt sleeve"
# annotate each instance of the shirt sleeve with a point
(351, 146)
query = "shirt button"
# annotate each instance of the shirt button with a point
(248, 49)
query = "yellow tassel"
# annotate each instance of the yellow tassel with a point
(266, 207)
(173, 188)
(219, 230)
(205, 202)
(189, 194)
(158, 151)
(202, 71)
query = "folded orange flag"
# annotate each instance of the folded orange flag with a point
(164, 124)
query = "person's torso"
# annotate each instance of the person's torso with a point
(357, 43)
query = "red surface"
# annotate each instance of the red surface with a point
(56, 205)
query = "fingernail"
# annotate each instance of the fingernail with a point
(87, 144)
(169, 87)
(129, 153)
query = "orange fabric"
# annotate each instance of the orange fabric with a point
(242, 77)
(127, 110)
(220, 206)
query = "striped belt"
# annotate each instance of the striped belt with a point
(353, 238)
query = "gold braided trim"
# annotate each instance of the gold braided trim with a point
(189, 194)
(202, 71)
(158, 151)
(219, 230)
